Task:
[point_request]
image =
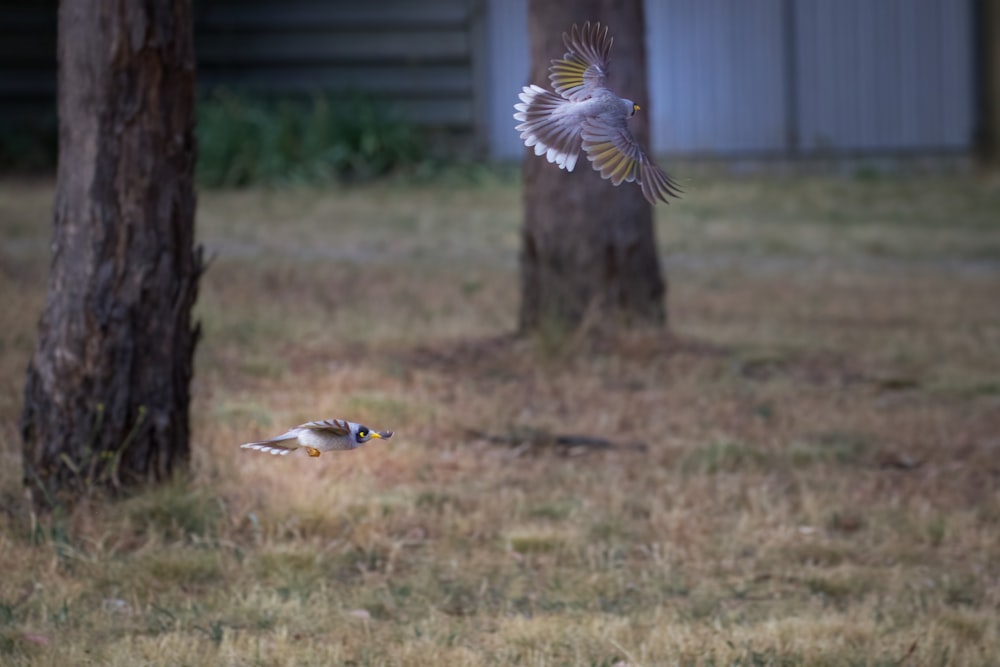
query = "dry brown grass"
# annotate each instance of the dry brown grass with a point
(820, 483)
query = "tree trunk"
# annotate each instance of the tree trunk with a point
(107, 391)
(988, 38)
(588, 252)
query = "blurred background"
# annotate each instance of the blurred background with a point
(728, 79)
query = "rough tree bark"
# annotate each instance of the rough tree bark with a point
(107, 391)
(588, 252)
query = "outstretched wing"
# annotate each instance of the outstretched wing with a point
(584, 67)
(548, 127)
(331, 426)
(613, 151)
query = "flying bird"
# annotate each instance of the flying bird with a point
(320, 436)
(586, 115)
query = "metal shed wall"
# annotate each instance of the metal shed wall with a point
(507, 26)
(884, 75)
(784, 77)
(716, 75)
(418, 55)
(421, 56)
(727, 77)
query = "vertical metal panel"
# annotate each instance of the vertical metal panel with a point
(480, 74)
(867, 75)
(417, 56)
(884, 75)
(509, 64)
(957, 75)
(716, 75)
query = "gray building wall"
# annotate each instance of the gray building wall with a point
(420, 56)
(886, 75)
(785, 77)
(727, 77)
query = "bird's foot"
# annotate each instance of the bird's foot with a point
(312, 451)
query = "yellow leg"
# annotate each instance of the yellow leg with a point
(313, 452)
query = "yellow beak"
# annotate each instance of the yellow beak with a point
(376, 434)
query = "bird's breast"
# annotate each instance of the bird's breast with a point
(323, 440)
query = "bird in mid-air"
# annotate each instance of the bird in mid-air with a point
(586, 115)
(320, 436)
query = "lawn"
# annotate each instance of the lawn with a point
(805, 471)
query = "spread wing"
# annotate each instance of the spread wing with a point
(614, 152)
(584, 67)
(547, 126)
(332, 426)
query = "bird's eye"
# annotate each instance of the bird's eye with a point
(635, 107)
(362, 432)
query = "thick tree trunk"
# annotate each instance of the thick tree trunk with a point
(588, 252)
(988, 26)
(107, 392)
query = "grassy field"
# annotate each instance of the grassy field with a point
(807, 469)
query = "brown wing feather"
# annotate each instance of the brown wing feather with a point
(334, 426)
(614, 152)
(584, 67)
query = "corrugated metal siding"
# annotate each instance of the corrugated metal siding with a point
(786, 77)
(419, 55)
(716, 77)
(508, 73)
(727, 77)
(884, 75)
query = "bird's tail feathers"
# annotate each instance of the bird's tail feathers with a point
(279, 446)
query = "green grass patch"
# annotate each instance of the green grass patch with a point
(246, 140)
(724, 456)
(844, 448)
(174, 511)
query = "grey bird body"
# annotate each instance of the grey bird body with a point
(319, 436)
(583, 115)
